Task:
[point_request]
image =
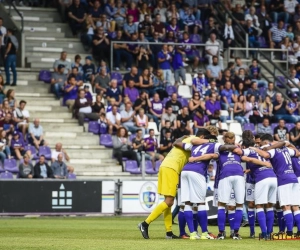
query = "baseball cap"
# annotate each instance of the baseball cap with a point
(200, 72)
(294, 95)
(89, 58)
(86, 86)
(15, 133)
(60, 66)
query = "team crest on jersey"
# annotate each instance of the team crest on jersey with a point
(148, 196)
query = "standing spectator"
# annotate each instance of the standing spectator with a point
(289, 7)
(36, 134)
(278, 11)
(60, 150)
(200, 83)
(155, 108)
(128, 118)
(252, 16)
(96, 11)
(159, 84)
(122, 148)
(280, 109)
(100, 46)
(114, 119)
(166, 143)
(214, 71)
(293, 107)
(3, 31)
(180, 131)
(164, 60)
(252, 35)
(196, 102)
(212, 104)
(133, 11)
(155, 49)
(169, 116)
(58, 80)
(281, 133)
(146, 82)
(228, 36)
(17, 146)
(239, 110)
(265, 22)
(83, 108)
(295, 135)
(21, 117)
(264, 127)
(71, 90)
(172, 13)
(175, 104)
(277, 34)
(102, 82)
(114, 92)
(62, 61)
(228, 97)
(42, 169)
(200, 120)
(59, 168)
(11, 49)
(239, 17)
(190, 51)
(266, 108)
(77, 16)
(185, 118)
(89, 70)
(25, 168)
(151, 145)
(212, 49)
(159, 27)
(178, 66)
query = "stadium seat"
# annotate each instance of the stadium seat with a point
(184, 102)
(171, 89)
(157, 165)
(172, 79)
(33, 151)
(10, 165)
(165, 101)
(238, 139)
(94, 127)
(132, 167)
(224, 126)
(131, 137)
(71, 176)
(236, 128)
(106, 140)
(6, 175)
(224, 113)
(274, 125)
(152, 125)
(46, 151)
(189, 79)
(184, 91)
(220, 139)
(149, 168)
(290, 126)
(117, 76)
(2, 170)
(249, 126)
(191, 124)
(279, 83)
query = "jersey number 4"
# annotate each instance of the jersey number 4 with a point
(200, 149)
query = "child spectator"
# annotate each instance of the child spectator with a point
(211, 172)
(88, 94)
(103, 124)
(89, 70)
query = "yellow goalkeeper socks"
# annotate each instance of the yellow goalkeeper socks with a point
(168, 219)
(157, 212)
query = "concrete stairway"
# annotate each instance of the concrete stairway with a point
(45, 37)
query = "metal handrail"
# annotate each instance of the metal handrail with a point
(12, 3)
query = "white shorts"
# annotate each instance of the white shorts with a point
(288, 194)
(266, 191)
(179, 203)
(193, 187)
(235, 183)
(250, 188)
(231, 201)
(215, 200)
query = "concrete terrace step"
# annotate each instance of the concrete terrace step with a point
(79, 147)
(40, 34)
(42, 101)
(34, 95)
(69, 134)
(57, 115)
(73, 44)
(33, 9)
(91, 163)
(47, 108)
(45, 29)
(99, 168)
(95, 175)
(49, 39)
(37, 19)
(46, 55)
(27, 89)
(58, 121)
(79, 140)
(62, 128)
(89, 154)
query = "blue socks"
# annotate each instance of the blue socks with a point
(195, 220)
(288, 216)
(181, 222)
(297, 219)
(261, 217)
(221, 218)
(202, 217)
(238, 218)
(231, 215)
(270, 220)
(251, 219)
(188, 214)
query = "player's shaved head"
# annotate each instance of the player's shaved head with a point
(202, 132)
(213, 130)
(248, 143)
(266, 138)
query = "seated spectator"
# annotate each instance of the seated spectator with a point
(77, 63)
(59, 168)
(164, 61)
(102, 82)
(278, 11)
(21, 117)
(103, 124)
(26, 168)
(83, 108)
(240, 65)
(159, 84)
(62, 61)
(169, 116)
(172, 13)
(211, 173)
(7, 124)
(264, 127)
(87, 36)
(289, 7)
(120, 13)
(212, 89)
(107, 25)
(130, 27)
(2, 86)
(133, 48)
(42, 169)
(294, 82)
(271, 91)
(138, 144)
(77, 16)
(141, 120)
(96, 11)
(280, 109)
(212, 104)
(213, 70)
(5, 150)
(131, 92)
(239, 17)
(252, 16)
(241, 78)
(120, 52)
(295, 135)
(277, 34)
(159, 27)
(60, 150)
(228, 36)
(100, 46)
(210, 27)
(166, 143)
(239, 110)
(155, 108)
(122, 147)
(36, 134)
(215, 119)
(165, 128)
(146, 82)
(255, 74)
(200, 83)
(151, 146)
(180, 131)
(190, 51)
(252, 110)
(71, 90)
(252, 35)
(266, 108)
(196, 102)
(58, 81)
(114, 92)
(253, 90)
(161, 10)
(185, 117)
(103, 65)
(142, 102)
(89, 70)
(227, 97)
(10, 96)
(293, 107)
(175, 104)
(113, 119)
(78, 77)
(200, 120)
(145, 26)
(281, 132)
(128, 118)
(17, 146)
(212, 49)
(132, 75)
(87, 92)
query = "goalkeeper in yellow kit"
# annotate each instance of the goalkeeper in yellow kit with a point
(168, 178)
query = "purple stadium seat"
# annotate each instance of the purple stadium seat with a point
(290, 126)
(94, 127)
(132, 167)
(6, 175)
(46, 151)
(2, 170)
(171, 89)
(22, 160)
(279, 83)
(10, 165)
(149, 168)
(262, 41)
(131, 137)
(184, 102)
(71, 176)
(106, 140)
(33, 151)
(165, 101)
(274, 125)
(262, 91)
(117, 76)
(249, 126)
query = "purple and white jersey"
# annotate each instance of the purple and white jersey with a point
(282, 164)
(217, 176)
(296, 165)
(230, 165)
(174, 29)
(199, 150)
(257, 172)
(187, 48)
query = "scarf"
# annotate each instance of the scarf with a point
(228, 32)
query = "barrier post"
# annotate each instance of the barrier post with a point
(143, 165)
(118, 197)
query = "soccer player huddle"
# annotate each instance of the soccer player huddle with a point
(271, 184)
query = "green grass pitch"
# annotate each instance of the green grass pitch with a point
(112, 233)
